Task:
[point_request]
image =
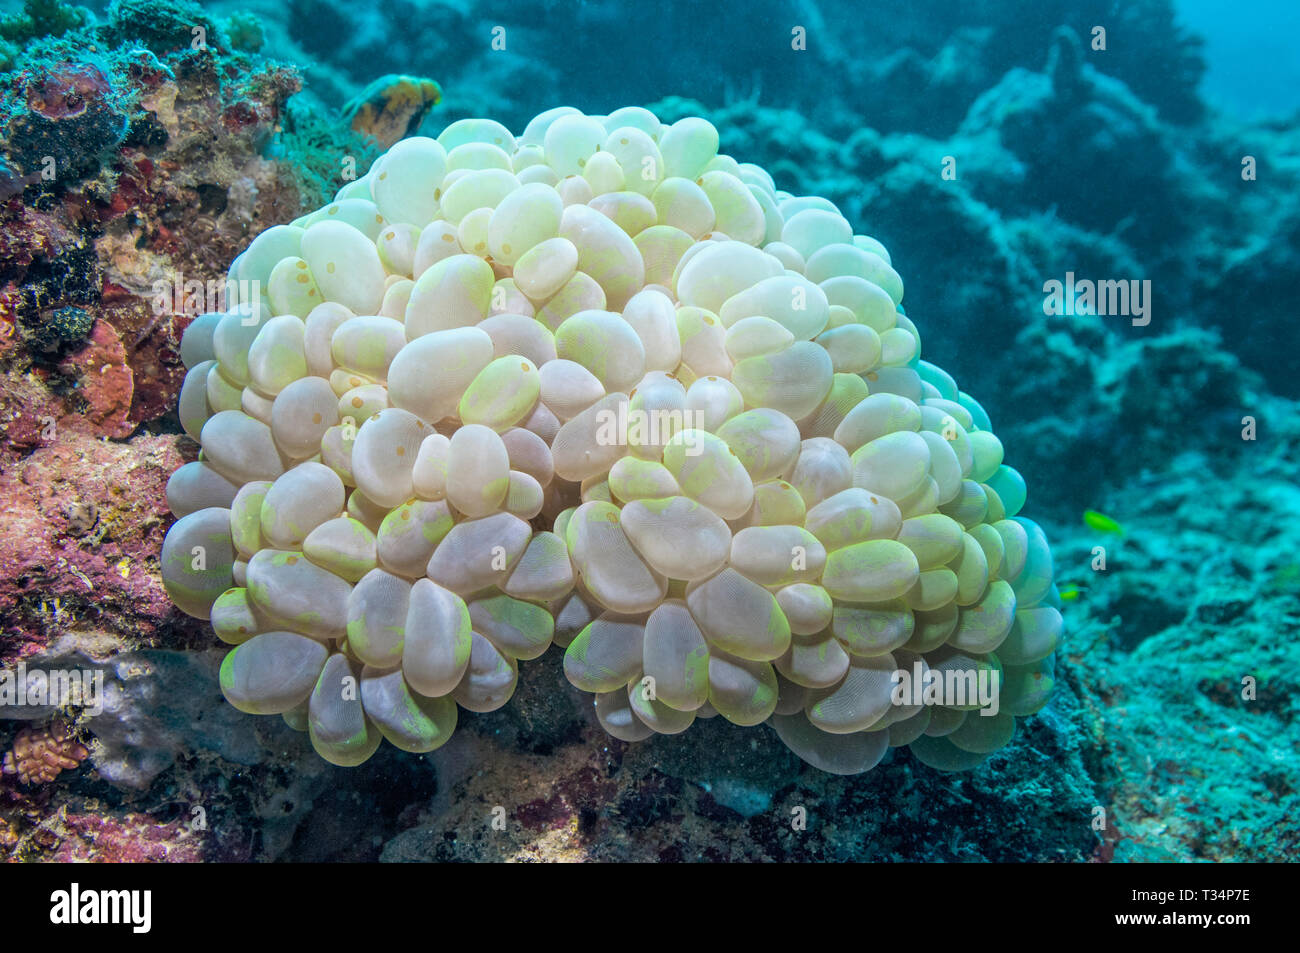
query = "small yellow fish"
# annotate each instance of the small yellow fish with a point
(1101, 522)
(1069, 593)
(392, 107)
(123, 567)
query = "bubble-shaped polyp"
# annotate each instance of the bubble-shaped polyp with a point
(601, 386)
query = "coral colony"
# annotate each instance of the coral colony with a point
(600, 386)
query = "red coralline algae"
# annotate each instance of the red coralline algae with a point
(29, 234)
(104, 382)
(125, 839)
(54, 573)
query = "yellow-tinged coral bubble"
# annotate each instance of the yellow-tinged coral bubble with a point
(502, 394)
(873, 571)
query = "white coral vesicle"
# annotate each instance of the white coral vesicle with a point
(601, 386)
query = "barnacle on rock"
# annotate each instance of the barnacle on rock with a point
(40, 755)
(602, 386)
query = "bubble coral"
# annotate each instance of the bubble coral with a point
(602, 386)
